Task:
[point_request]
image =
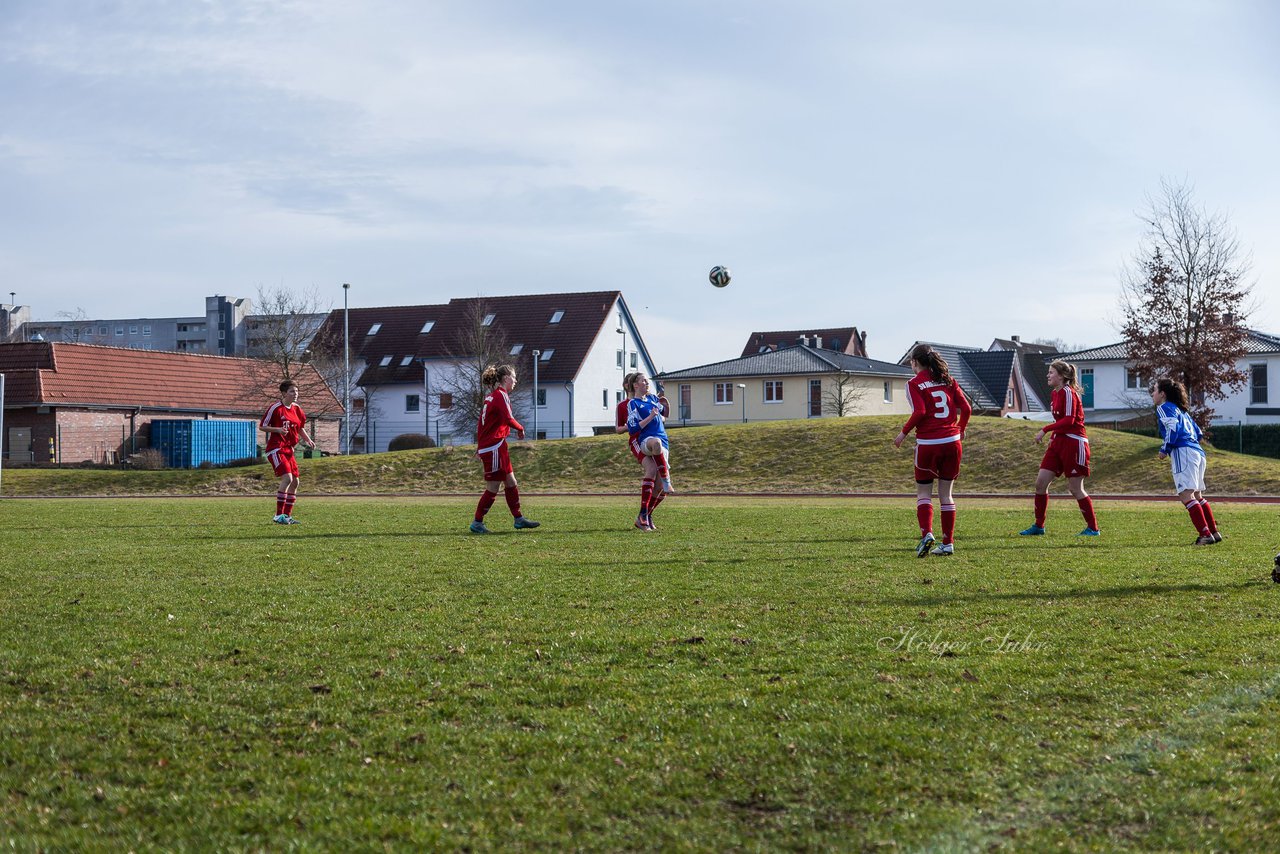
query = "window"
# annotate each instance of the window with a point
(633, 361)
(686, 401)
(75, 333)
(488, 320)
(1132, 379)
(373, 330)
(426, 327)
(724, 393)
(888, 392)
(119, 331)
(557, 317)
(620, 357)
(546, 355)
(516, 348)
(605, 398)
(222, 334)
(386, 360)
(773, 391)
(1258, 383)
(1008, 397)
(102, 330)
(446, 400)
(133, 330)
(617, 398)
(542, 397)
(412, 403)
(405, 361)
(88, 330)
(357, 403)
(146, 330)
(815, 398)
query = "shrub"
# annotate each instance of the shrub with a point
(148, 459)
(206, 465)
(244, 461)
(410, 442)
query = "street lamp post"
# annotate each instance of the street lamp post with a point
(743, 387)
(346, 372)
(426, 397)
(536, 354)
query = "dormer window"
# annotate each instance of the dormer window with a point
(556, 318)
(406, 360)
(426, 327)
(546, 355)
(373, 330)
(386, 360)
(516, 348)
(488, 320)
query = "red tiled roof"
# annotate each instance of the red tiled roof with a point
(846, 335)
(520, 319)
(57, 374)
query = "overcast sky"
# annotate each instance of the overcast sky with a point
(939, 170)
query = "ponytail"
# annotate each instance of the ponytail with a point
(1068, 372)
(931, 360)
(494, 374)
(1174, 392)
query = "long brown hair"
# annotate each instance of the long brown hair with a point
(931, 360)
(1174, 392)
(1068, 372)
(494, 373)
(629, 382)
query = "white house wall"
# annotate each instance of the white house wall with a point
(1109, 391)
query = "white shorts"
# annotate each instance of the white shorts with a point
(1188, 466)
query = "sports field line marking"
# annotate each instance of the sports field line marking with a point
(1104, 773)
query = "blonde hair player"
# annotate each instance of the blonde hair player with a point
(647, 445)
(1068, 452)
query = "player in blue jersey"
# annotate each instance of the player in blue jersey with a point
(1181, 446)
(649, 438)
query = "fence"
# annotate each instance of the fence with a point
(378, 433)
(1260, 440)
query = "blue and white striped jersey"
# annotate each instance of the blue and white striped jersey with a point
(1177, 428)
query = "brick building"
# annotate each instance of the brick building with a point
(71, 403)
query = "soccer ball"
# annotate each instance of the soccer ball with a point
(719, 276)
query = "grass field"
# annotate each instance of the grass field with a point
(760, 674)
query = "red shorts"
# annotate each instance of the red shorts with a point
(496, 462)
(1067, 456)
(938, 461)
(282, 461)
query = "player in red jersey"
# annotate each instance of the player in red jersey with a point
(285, 424)
(496, 423)
(653, 468)
(939, 414)
(1068, 452)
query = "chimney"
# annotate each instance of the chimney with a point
(817, 341)
(863, 339)
(1015, 339)
(802, 340)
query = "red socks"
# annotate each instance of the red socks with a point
(1197, 518)
(281, 498)
(646, 495)
(1042, 507)
(512, 494)
(948, 522)
(1086, 508)
(486, 501)
(1208, 516)
(924, 515)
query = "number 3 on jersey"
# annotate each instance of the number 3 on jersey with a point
(942, 403)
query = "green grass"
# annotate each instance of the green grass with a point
(814, 456)
(760, 674)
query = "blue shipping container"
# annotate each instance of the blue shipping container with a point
(186, 443)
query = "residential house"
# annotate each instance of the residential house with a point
(845, 340)
(799, 381)
(1008, 377)
(71, 403)
(1116, 392)
(570, 350)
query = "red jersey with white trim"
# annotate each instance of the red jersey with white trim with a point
(939, 411)
(496, 420)
(1068, 413)
(292, 418)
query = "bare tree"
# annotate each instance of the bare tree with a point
(283, 331)
(1184, 299)
(841, 394)
(474, 348)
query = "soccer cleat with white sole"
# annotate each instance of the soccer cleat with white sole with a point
(281, 519)
(289, 520)
(926, 542)
(943, 550)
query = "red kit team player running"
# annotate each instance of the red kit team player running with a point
(939, 413)
(1068, 452)
(285, 423)
(496, 423)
